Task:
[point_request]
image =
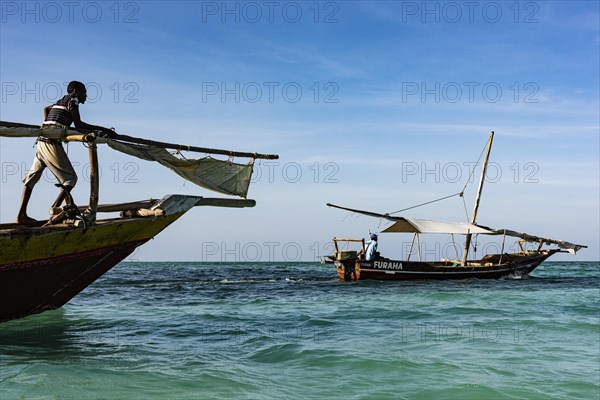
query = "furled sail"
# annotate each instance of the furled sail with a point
(570, 247)
(28, 131)
(217, 175)
(221, 176)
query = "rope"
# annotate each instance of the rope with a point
(428, 202)
(461, 193)
(476, 164)
(180, 154)
(347, 216)
(465, 204)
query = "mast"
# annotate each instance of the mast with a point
(478, 198)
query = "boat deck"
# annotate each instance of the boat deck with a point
(103, 208)
(11, 229)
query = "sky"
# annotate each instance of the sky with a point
(375, 105)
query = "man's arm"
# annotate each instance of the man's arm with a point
(79, 124)
(46, 112)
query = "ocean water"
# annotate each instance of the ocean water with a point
(293, 331)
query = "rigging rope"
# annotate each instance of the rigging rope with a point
(461, 193)
(465, 204)
(476, 164)
(428, 202)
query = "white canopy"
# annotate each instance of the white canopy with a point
(414, 225)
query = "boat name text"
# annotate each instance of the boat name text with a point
(387, 265)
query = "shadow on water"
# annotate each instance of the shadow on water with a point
(55, 332)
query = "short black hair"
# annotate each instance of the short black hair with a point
(75, 85)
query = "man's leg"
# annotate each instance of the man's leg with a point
(63, 196)
(22, 217)
(58, 162)
(32, 177)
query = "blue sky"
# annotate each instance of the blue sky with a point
(373, 105)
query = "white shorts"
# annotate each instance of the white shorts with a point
(51, 154)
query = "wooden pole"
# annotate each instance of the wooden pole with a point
(454, 245)
(478, 198)
(90, 212)
(411, 247)
(502, 251)
(132, 139)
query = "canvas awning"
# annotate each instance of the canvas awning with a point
(414, 225)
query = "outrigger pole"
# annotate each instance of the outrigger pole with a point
(478, 198)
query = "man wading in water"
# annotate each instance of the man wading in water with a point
(50, 153)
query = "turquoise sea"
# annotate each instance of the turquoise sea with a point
(293, 331)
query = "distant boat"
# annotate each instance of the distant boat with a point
(351, 265)
(44, 266)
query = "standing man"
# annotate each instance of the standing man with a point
(50, 153)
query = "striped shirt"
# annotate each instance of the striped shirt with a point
(60, 113)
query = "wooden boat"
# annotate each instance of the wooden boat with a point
(43, 267)
(351, 265)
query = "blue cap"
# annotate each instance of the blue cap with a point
(373, 236)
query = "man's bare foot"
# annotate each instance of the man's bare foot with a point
(26, 220)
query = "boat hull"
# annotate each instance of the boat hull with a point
(396, 270)
(43, 268)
